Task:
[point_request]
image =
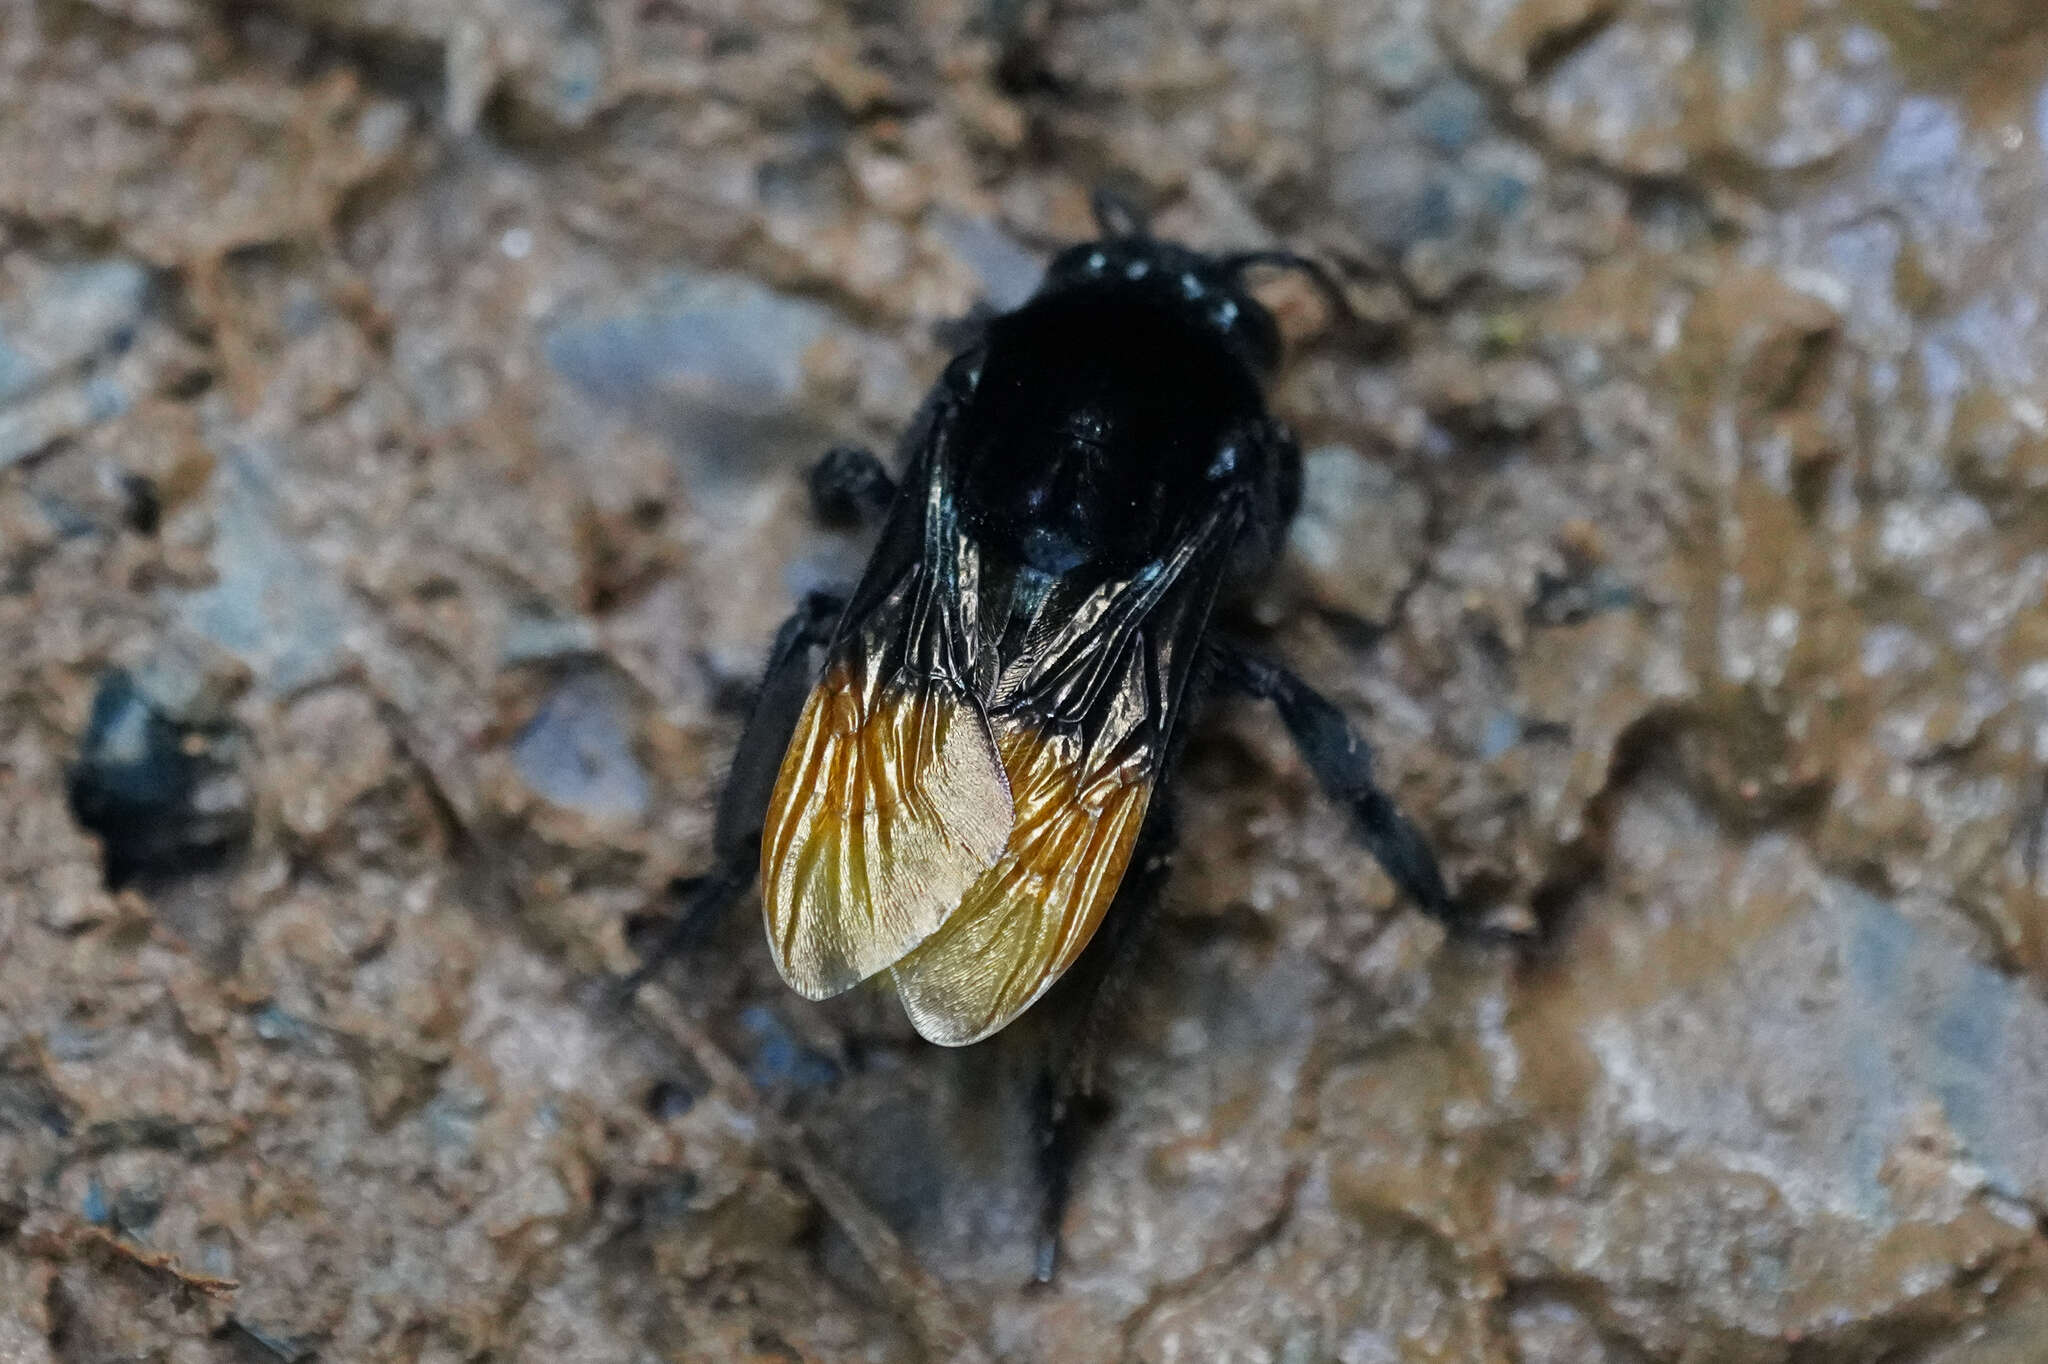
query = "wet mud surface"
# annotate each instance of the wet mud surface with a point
(403, 413)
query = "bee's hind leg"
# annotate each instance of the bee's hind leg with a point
(1067, 1101)
(1342, 763)
(743, 803)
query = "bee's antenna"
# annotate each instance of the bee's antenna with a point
(1319, 275)
(1117, 216)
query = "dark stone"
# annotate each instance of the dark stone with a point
(161, 795)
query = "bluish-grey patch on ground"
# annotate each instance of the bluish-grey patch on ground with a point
(577, 751)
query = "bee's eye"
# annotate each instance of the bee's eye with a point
(1225, 464)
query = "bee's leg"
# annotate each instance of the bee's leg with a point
(849, 487)
(743, 804)
(1067, 1099)
(1057, 1119)
(1342, 763)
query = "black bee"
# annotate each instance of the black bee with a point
(958, 774)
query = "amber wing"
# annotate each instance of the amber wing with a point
(888, 808)
(968, 780)
(891, 801)
(1085, 722)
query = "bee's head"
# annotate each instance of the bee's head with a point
(1211, 290)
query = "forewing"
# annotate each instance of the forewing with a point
(890, 804)
(891, 800)
(1084, 735)
(1026, 919)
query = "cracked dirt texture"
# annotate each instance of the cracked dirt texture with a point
(403, 407)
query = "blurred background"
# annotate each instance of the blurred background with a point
(403, 408)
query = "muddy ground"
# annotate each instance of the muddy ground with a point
(403, 406)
